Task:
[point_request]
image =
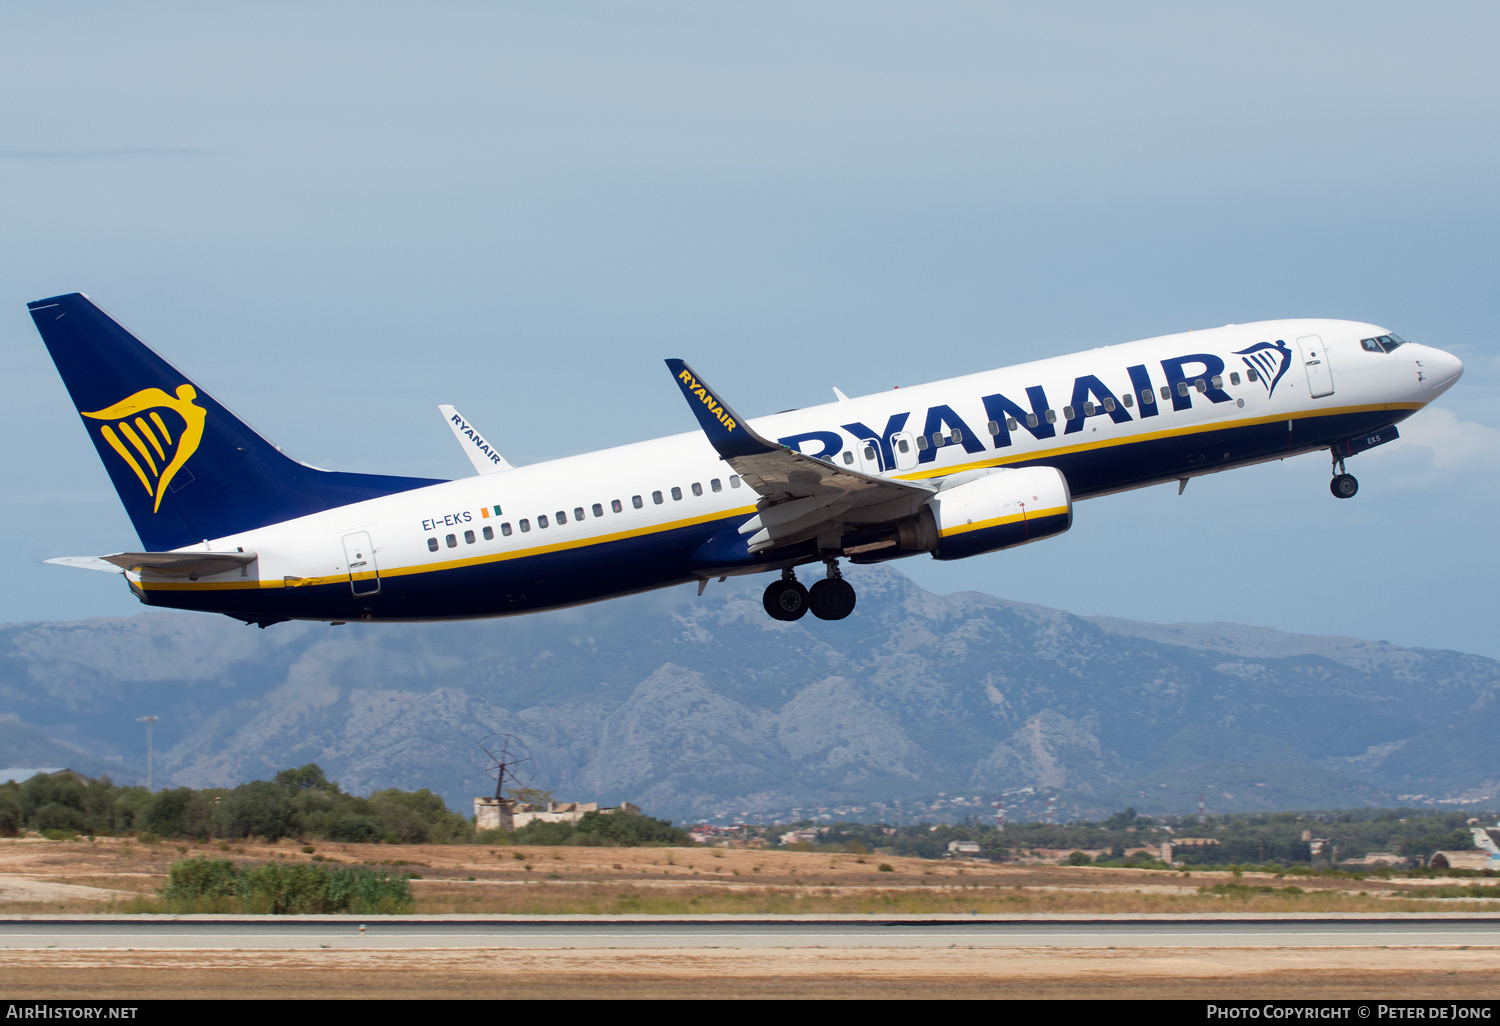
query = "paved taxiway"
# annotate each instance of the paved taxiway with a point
(344, 933)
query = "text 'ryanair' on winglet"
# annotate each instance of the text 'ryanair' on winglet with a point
(729, 435)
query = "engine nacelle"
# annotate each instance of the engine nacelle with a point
(1000, 511)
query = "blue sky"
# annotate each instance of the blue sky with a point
(337, 216)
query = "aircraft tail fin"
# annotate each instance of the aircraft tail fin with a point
(184, 466)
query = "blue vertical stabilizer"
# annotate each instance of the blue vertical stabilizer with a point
(184, 466)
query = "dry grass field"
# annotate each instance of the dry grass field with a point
(120, 875)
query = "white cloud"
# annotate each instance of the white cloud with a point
(1452, 443)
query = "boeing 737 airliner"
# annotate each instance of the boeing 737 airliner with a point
(956, 468)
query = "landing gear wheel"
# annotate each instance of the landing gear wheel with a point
(832, 599)
(1343, 486)
(785, 600)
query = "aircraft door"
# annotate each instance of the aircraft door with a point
(1315, 360)
(904, 448)
(359, 557)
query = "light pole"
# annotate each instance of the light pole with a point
(148, 720)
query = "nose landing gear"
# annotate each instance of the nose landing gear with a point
(1343, 485)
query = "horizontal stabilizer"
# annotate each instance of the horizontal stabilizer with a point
(86, 563)
(181, 564)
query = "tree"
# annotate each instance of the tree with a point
(304, 778)
(257, 809)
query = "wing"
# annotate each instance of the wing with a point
(801, 497)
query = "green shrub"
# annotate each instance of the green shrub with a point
(60, 834)
(884, 867)
(218, 885)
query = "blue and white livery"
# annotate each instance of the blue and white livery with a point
(230, 524)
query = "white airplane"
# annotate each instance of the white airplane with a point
(956, 468)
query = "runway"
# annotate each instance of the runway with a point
(271, 933)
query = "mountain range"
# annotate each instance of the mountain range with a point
(918, 705)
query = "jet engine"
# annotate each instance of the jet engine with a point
(999, 509)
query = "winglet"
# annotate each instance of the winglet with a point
(485, 457)
(728, 433)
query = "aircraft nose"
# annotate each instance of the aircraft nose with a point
(1442, 371)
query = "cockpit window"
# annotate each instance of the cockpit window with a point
(1382, 344)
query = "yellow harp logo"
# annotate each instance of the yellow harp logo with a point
(151, 451)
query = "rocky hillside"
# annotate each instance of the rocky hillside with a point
(704, 707)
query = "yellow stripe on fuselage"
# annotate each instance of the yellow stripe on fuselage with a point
(452, 564)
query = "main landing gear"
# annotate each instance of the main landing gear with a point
(1343, 486)
(830, 599)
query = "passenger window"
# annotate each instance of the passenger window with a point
(598, 511)
(1217, 381)
(1088, 409)
(505, 528)
(1166, 393)
(468, 537)
(1234, 377)
(993, 428)
(635, 500)
(525, 525)
(937, 439)
(901, 444)
(697, 488)
(955, 436)
(656, 498)
(1051, 416)
(1182, 389)
(1148, 397)
(432, 545)
(1010, 424)
(489, 533)
(734, 480)
(1201, 385)
(870, 453)
(922, 442)
(676, 494)
(541, 521)
(562, 518)
(1067, 413)
(578, 514)
(614, 504)
(1031, 420)
(452, 541)
(716, 485)
(1128, 399)
(848, 459)
(1109, 405)
(1252, 375)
